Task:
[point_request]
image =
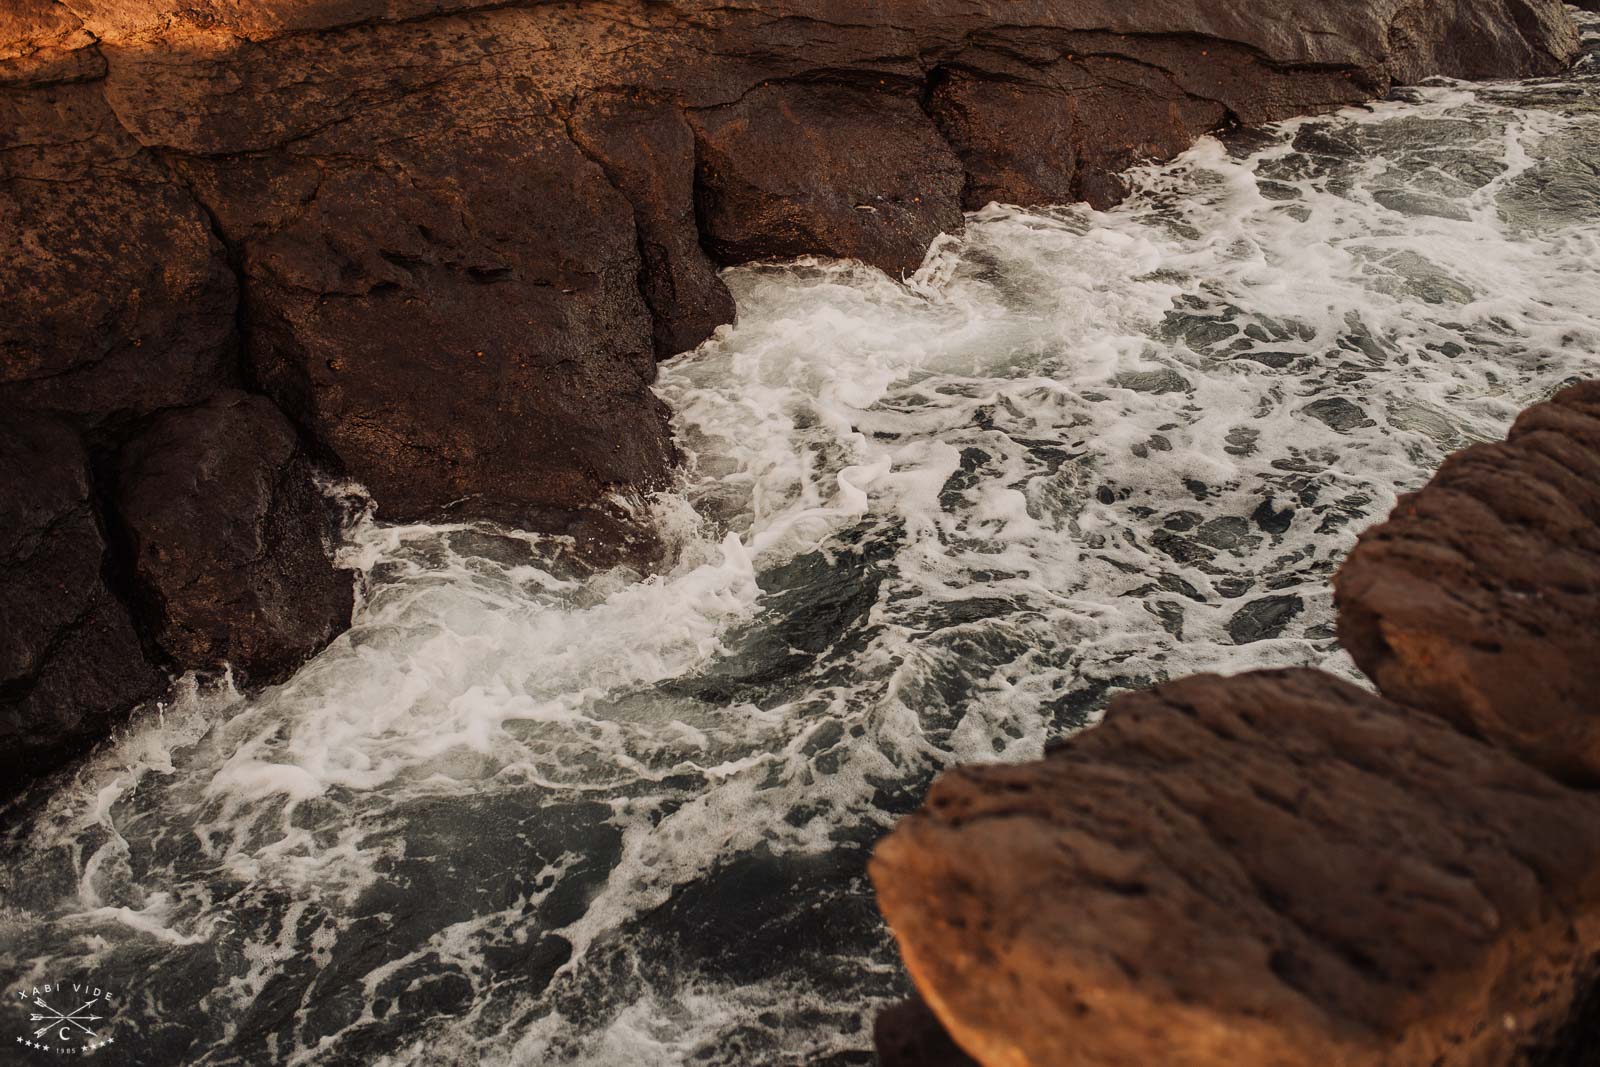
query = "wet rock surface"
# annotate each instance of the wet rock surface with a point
(1279, 867)
(226, 530)
(70, 659)
(1272, 868)
(646, 149)
(796, 170)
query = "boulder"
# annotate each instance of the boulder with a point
(461, 342)
(1275, 868)
(229, 539)
(1477, 598)
(793, 170)
(70, 660)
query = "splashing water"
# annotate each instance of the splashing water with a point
(517, 818)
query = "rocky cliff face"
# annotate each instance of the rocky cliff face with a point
(448, 239)
(1281, 868)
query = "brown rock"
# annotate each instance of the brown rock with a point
(1110, 103)
(1477, 598)
(41, 41)
(458, 340)
(118, 300)
(1017, 141)
(647, 151)
(909, 1034)
(441, 287)
(70, 662)
(227, 532)
(463, 228)
(794, 170)
(1276, 868)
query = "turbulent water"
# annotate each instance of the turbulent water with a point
(518, 818)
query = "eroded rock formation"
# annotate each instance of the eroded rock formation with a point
(229, 536)
(1276, 868)
(1478, 599)
(796, 169)
(1281, 868)
(69, 655)
(449, 238)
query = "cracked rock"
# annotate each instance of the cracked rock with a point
(227, 532)
(70, 661)
(832, 170)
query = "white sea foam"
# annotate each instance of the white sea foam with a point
(511, 817)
